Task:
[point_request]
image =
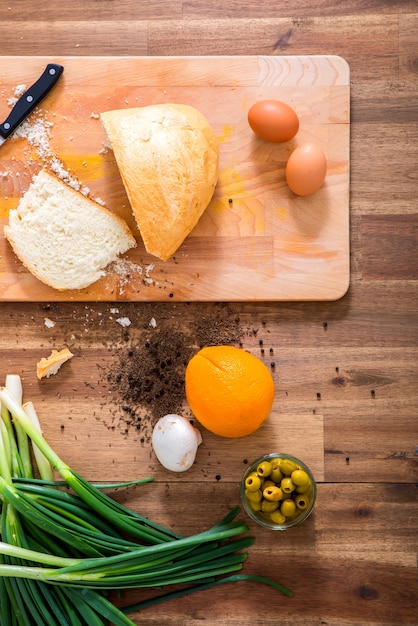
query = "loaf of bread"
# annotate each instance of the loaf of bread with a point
(63, 238)
(167, 155)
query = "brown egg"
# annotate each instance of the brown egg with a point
(306, 169)
(273, 120)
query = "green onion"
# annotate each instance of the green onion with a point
(138, 526)
(65, 543)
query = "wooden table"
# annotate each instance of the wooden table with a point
(345, 371)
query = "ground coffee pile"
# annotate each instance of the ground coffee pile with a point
(150, 374)
(147, 376)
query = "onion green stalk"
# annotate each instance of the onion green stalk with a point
(101, 486)
(44, 467)
(13, 385)
(139, 606)
(64, 544)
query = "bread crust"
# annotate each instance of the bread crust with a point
(168, 159)
(48, 366)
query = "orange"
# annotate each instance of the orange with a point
(229, 390)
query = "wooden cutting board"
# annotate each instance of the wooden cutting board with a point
(256, 240)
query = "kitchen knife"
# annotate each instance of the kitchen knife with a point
(30, 99)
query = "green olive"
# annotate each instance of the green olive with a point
(276, 474)
(268, 507)
(274, 494)
(253, 482)
(277, 517)
(303, 488)
(288, 508)
(254, 496)
(268, 483)
(264, 469)
(302, 501)
(254, 506)
(300, 477)
(287, 485)
(287, 466)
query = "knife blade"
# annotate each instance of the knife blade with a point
(30, 100)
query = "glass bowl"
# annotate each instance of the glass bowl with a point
(303, 495)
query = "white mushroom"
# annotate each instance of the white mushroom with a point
(175, 442)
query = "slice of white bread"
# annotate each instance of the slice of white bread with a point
(168, 158)
(63, 238)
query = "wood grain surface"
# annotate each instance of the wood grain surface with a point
(256, 240)
(345, 371)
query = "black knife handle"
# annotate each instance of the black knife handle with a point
(31, 98)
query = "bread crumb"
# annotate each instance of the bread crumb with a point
(147, 278)
(124, 321)
(20, 90)
(49, 323)
(48, 366)
(36, 131)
